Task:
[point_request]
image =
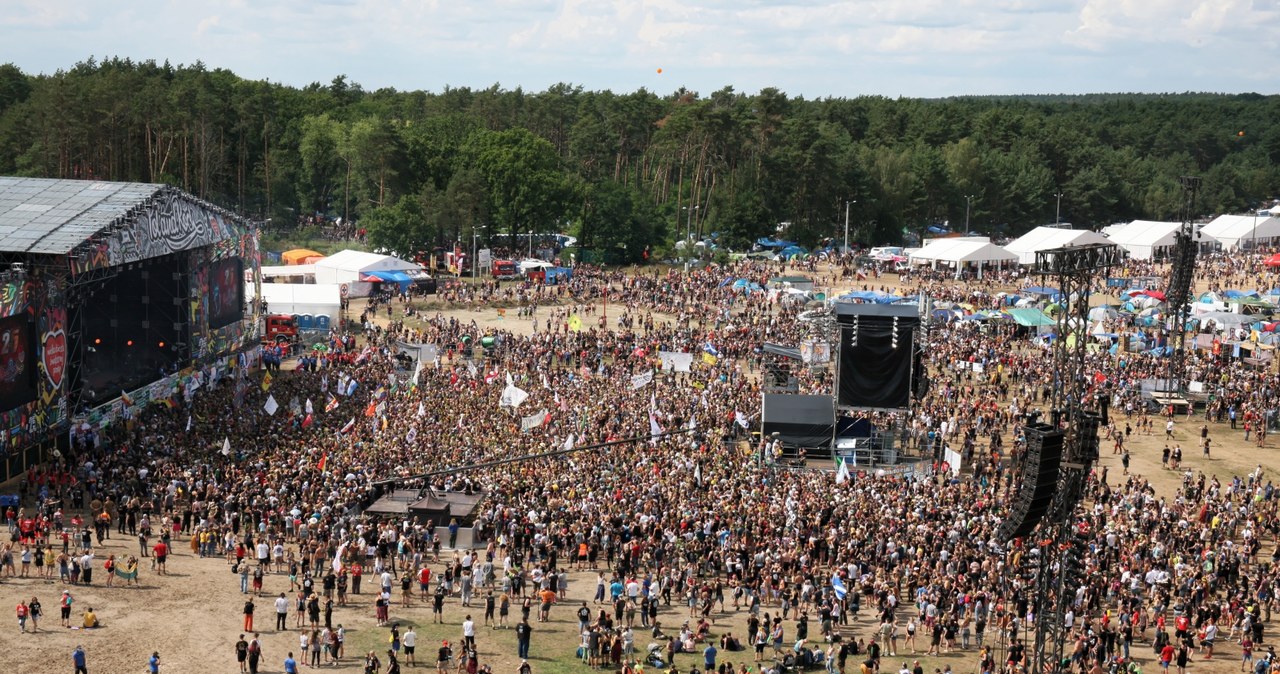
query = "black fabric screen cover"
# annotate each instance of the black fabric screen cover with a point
(873, 373)
(800, 420)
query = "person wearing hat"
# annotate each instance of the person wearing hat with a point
(443, 656)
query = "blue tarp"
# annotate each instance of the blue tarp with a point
(398, 277)
(1042, 290)
(869, 296)
(766, 242)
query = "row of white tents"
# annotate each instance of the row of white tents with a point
(1141, 239)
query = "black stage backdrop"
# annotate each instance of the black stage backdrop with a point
(873, 373)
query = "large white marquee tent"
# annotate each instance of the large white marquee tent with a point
(349, 266)
(1243, 231)
(960, 255)
(1144, 239)
(1046, 238)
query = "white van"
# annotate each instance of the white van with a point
(885, 253)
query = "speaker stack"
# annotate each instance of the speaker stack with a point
(1039, 481)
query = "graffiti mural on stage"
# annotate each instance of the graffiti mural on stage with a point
(170, 223)
(44, 304)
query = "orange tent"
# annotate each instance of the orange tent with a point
(299, 256)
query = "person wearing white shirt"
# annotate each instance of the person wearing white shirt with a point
(409, 640)
(468, 634)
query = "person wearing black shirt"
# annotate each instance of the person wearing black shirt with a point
(242, 653)
(523, 631)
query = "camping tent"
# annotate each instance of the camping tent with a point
(297, 299)
(1046, 238)
(1145, 239)
(1243, 231)
(299, 255)
(351, 266)
(975, 255)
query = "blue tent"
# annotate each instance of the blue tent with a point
(766, 242)
(397, 277)
(792, 250)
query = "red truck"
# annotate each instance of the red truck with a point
(505, 269)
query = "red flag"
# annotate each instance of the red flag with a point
(370, 410)
(307, 421)
(453, 378)
(350, 425)
(324, 460)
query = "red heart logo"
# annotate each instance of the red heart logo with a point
(54, 350)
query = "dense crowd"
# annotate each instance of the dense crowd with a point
(682, 528)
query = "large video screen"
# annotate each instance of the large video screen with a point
(17, 362)
(226, 292)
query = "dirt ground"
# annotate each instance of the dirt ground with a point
(193, 616)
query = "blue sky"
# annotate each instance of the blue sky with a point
(814, 48)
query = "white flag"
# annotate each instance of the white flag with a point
(471, 368)
(842, 471)
(337, 559)
(512, 396)
(533, 420)
(741, 419)
(417, 372)
(271, 405)
(654, 429)
(226, 446)
(697, 474)
(308, 407)
(568, 443)
(641, 380)
(413, 435)
(188, 423)
(422, 410)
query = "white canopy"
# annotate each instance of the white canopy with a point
(1233, 231)
(958, 251)
(1046, 238)
(269, 271)
(347, 266)
(1143, 238)
(303, 298)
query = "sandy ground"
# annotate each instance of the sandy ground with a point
(193, 615)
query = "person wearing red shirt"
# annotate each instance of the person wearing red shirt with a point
(161, 551)
(1166, 655)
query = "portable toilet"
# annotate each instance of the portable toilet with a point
(306, 322)
(322, 322)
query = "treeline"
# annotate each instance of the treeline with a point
(626, 170)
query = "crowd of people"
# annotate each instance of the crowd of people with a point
(687, 530)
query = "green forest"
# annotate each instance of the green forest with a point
(622, 171)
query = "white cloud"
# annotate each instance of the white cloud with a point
(810, 47)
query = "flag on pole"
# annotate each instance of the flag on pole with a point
(308, 408)
(575, 323)
(654, 429)
(417, 372)
(124, 397)
(641, 380)
(308, 420)
(568, 443)
(710, 359)
(188, 423)
(271, 406)
(226, 446)
(741, 419)
(350, 425)
(266, 382)
(332, 404)
(324, 461)
(842, 470)
(412, 435)
(838, 585)
(351, 387)
(697, 474)
(422, 409)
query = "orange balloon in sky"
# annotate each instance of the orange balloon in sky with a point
(659, 71)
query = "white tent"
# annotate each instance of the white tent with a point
(306, 271)
(1046, 238)
(1236, 231)
(303, 298)
(348, 265)
(1144, 239)
(961, 255)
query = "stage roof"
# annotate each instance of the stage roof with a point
(51, 217)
